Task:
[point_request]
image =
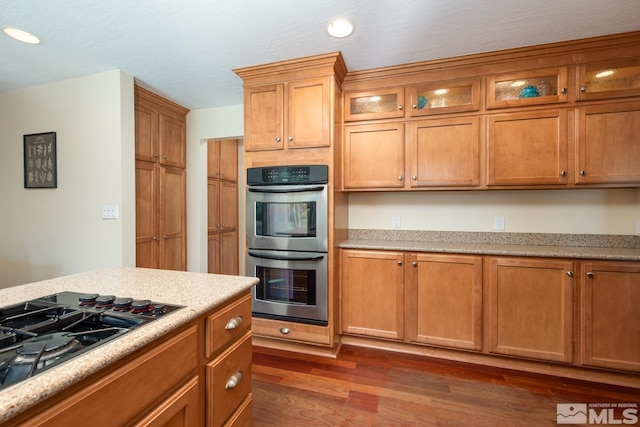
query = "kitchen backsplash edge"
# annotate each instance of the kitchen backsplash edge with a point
(471, 237)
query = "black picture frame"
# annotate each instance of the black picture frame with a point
(40, 163)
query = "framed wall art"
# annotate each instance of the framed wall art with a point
(40, 160)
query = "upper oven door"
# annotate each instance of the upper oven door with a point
(287, 217)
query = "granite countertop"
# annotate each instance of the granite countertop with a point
(620, 248)
(198, 292)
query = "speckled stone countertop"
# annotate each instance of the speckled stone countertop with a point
(198, 292)
(579, 246)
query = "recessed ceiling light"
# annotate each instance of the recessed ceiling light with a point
(21, 35)
(340, 28)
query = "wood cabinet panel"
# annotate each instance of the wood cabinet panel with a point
(213, 203)
(222, 159)
(176, 359)
(227, 325)
(172, 141)
(524, 88)
(611, 310)
(292, 331)
(530, 308)
(373, 293)
(172, 219)
(146, 215)
(608, 144)
(181, 409)
(384, 103)
(444, 300)
(264, 121)
(445, 152)
(528, 148)
(228, 381)
(374, 156)
(309, 113)
(146, 133)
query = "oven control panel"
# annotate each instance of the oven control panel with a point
(300, 174)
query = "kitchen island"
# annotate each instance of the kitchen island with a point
(191, 338)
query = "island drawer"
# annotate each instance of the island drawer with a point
(227, 325)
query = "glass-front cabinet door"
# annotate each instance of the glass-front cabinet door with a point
(452, 96)
(385, 103)
(533, 87)
(609, 79)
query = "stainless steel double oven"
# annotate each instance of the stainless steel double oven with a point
(287, 242)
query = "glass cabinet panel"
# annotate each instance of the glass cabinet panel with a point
(377, 104)
(445, 97)
(609, 80)
(533, 87)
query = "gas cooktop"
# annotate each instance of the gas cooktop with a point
(39, 334)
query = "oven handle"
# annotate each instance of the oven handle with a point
(285, 258)
(290, 190)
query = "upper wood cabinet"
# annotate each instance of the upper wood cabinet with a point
(374, 156)
(608, 147)
(445, 152)
(454, 96)
(528, 148)
(610, 79)
(387, 103)
(160, 130)
(295, 114)
(529, 305)
(611, 324)
(533, 87)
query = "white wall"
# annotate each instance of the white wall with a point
(202, 125)
(53, 232)
(612, 211)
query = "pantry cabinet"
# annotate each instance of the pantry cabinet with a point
(527, 148)
(160, 152)
(611, 314)
(373, 293)
(529, 307)
(443, 303)
(222, 210)
(608, 147)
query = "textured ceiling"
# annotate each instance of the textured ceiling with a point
(186, 50)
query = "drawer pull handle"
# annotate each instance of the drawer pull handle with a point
(285, 331)
(570, 273)
(234, 380)
(234, 323)
(590, 275)
(414, 263)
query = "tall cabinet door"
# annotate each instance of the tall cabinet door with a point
(172, 219)
(263, 113)
(309, 117)
(146, 215)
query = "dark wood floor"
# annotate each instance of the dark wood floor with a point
(364, 387)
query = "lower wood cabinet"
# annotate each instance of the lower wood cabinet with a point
(611, 315)
(373, 293)
(443, 304)
(530, 307)
(181, 409)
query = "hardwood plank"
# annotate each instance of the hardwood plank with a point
(365, 387)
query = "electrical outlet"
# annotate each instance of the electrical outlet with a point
(110, 212)
(498, 223)
(395, 221)
(638, 226)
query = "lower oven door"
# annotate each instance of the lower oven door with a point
(293, 285)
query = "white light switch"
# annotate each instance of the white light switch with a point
(110, 212)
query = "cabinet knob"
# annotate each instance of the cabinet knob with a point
(583, 89)
(563, 90)
(277, 139)
(164, 237)
(414, 177)
(234, 380)
(399, 263)
(583, 172)
(570, 273)
(233, 323)
(164, 156)
(563, 173)
(400, 107)
(290, 138)
(155, 237)
(285, 331)
(415, 106)
(590, 274)
(399, 177)
(414, 263)
(155, 155)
